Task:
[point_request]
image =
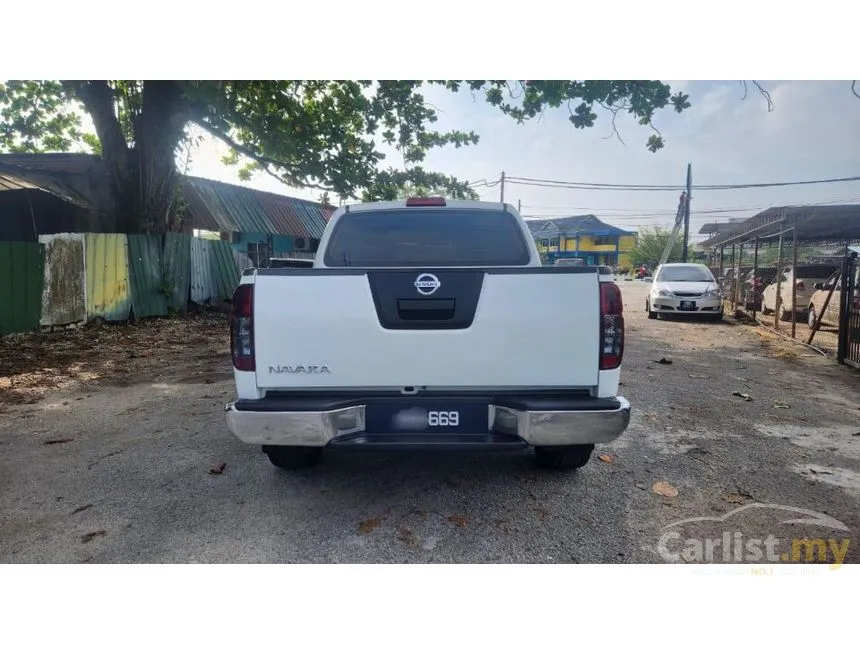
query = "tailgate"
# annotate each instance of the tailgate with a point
(453, 328)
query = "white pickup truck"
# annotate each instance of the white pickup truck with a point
(427, 324)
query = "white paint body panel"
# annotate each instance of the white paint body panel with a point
(530, 330)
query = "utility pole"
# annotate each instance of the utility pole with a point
(503, 187)
(687, 212)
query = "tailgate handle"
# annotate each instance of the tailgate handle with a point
(425, 309)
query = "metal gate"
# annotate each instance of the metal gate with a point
(849, 312)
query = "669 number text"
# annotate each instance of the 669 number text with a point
(443, 418)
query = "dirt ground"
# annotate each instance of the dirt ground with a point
(113, 448)
(33, 366)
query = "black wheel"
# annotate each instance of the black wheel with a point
(810, 317)
(784, 314)
(293, 457)
(652, 315)
(563, 457)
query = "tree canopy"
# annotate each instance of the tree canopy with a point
(309, 134)
(651, 242)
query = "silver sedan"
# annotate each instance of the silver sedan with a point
(684, 289)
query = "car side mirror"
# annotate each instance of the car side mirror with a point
(818, 285)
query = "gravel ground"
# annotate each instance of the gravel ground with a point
(121, 454)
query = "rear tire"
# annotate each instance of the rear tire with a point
(784, 314)
(810, 317)
(563, 457)
(293, 457)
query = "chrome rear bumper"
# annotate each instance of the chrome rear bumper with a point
(533, 427)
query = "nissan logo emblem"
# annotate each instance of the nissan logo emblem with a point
(427, 284)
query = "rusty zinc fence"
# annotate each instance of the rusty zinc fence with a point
(65, 283)
(71, 278)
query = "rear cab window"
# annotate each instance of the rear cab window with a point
(427, 236)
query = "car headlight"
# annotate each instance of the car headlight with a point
(715, 292)
(664, 292)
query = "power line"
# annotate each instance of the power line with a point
(638, 212)
(485, 183)
(549, 183)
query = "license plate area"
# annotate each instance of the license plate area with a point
(687, 305)
(424, 415)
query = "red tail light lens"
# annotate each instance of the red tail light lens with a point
(425, 201)
(242, 329)
(801, 286)
(611, 326)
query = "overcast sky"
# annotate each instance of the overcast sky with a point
(812, 133)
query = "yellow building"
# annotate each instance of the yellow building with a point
(584, 237)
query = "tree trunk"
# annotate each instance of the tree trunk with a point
(158, 132)
(143, 177)
(98, 100)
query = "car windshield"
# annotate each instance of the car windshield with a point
(427, 237)
(693, 273)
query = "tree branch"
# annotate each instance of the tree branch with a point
(766, 95)
(614, 111)
(260, 160)
(98, 100)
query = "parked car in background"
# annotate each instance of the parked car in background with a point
(830, 315)
(687, 289)
(804, 279)
(752, 287)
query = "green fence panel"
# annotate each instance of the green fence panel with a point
(22, 267)
(148, 291)
(176, 266)
(226, 273)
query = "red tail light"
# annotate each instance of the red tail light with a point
(425, 201)
(611, 326)
(242, 328)
(801, 286)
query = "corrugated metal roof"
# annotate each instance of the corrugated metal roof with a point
(213, 205)
(583, 225)
(311, 217)
(82, 179)
(282, 215)
(814, 223)
(77, 179)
